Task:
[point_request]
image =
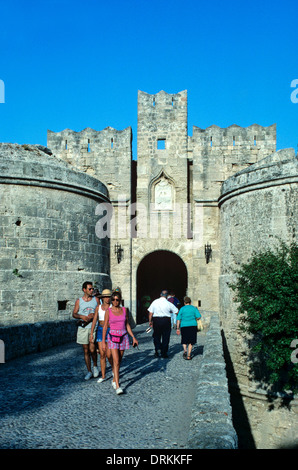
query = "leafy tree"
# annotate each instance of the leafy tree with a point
(266, 289)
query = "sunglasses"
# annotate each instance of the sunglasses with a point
(115, 298)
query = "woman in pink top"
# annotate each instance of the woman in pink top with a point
(117, 318)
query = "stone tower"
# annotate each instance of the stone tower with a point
(162, 148)
(163, 219)
(47, 246)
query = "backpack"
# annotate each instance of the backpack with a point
(174, 301)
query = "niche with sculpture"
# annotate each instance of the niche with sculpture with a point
(163, 193)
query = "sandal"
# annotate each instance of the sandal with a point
(189, 358)
(184, 355)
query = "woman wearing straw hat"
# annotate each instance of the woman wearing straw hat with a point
(105, 353)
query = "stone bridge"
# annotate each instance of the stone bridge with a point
(167, 403)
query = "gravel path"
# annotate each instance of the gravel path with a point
(47, 404)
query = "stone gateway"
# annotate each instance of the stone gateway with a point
(182, 216)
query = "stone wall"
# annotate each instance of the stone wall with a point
(219, 153)
(176, 187)
(47, 235)
(211, 419)
(258, 207)
(185, 177)
(216, 154)
(107, 156)
(29, 338)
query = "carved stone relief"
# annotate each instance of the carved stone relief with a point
(163, 195)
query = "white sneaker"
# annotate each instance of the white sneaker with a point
(119, 391)
(88, 376)
(95, 371)
(114, 385)
(101, 380)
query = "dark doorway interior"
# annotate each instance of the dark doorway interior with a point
(159, 270)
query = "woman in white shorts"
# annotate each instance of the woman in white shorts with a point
(99, 317)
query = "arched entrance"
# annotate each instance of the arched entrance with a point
(159, 270)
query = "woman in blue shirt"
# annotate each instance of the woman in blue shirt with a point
(187, 319)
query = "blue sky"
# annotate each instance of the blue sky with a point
(77, 64)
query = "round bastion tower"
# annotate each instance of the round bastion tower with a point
(48, 245)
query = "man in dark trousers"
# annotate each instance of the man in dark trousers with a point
(160, 312)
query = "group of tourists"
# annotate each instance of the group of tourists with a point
(103, 321)
(161, 313)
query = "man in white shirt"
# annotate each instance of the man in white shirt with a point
(160, 312)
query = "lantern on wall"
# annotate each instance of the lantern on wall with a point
(119, 252)
(208, 252)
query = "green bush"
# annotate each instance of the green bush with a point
(266, 290)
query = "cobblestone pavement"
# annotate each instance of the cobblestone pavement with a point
(47, 404)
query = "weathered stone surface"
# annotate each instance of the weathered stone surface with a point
(211, 424)
(258, 208)
(226, 187)
(176, 186)
(48, 242)
(29, 338)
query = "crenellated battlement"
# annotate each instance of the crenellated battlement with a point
(105, 154)
(162, 100)
(89, 140)
(218, 153)
(236, 136)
